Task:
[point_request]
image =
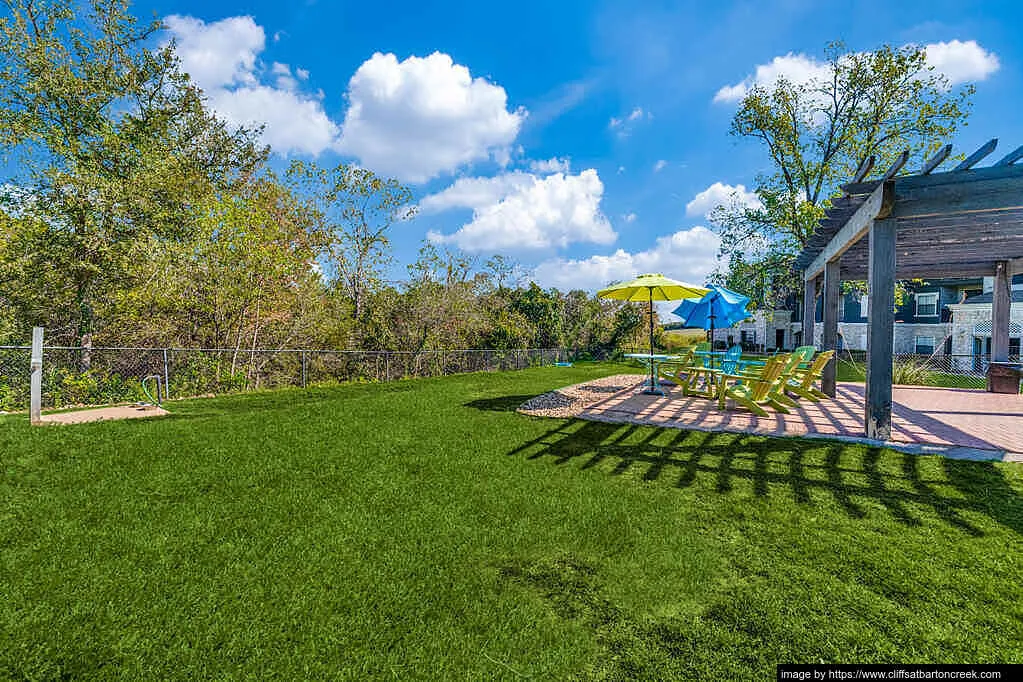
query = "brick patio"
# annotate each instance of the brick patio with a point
(955, 420)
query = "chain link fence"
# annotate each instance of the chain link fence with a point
(950, 371)
(72, 376)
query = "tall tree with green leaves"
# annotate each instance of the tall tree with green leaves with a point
(114, 142)
(816, 133)
(358, 209)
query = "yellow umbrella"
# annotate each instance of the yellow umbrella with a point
(652, 287)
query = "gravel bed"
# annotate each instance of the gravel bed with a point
(571, 400)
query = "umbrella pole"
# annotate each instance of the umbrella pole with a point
(653, 385)
(712, 316)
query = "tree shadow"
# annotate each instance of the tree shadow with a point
(505, 403)
(851, 475)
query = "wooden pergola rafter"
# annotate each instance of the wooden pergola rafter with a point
(966, 222)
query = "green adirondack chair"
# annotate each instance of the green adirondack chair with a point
(805, 355)
(753, 389)
(679, 371)
(802, 380)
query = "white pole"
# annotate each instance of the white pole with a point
(35, 408)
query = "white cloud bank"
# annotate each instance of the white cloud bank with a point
(960, 61)
(222, 58)
(688, 255)
(719, 194)
(413, 119)
(425, 116)
(522, 212)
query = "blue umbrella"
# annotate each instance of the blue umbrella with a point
(718, 307)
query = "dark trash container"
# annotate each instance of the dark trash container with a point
(1003, 377)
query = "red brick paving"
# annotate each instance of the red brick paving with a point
(920, 415)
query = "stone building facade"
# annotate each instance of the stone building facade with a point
(940, 317)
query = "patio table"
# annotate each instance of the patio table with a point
(655, 359)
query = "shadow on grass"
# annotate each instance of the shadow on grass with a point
(506, 403)
(848, 474)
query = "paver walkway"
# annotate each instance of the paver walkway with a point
(946, 417)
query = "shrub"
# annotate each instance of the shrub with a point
(910, 372)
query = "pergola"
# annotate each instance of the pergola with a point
(967, 222)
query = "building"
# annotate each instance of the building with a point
(950, 317)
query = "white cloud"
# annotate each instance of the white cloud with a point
(719, 194)
(425, 116)
(218, 54)
(797, 68)
(629, 217)
(549, 212)
(660, 165)
(688, 255)
(285, 81)
(476, 193)
(222, 58)
(962, 61)
(554, 165)
(624, 126)
(959, 61)
(294, 122)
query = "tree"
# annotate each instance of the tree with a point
(358, 208)
(116, 145)
(246, 279)
(816, 133)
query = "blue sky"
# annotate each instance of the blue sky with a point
(586, 140)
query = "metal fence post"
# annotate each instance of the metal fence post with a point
(36, 364)
(303, 370)
(166, 376)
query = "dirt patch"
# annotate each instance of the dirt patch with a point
(572, 400)
(104, 414)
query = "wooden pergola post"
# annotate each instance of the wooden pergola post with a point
(809, 310)
(829, 340)
(1001, 302)
(880, 328)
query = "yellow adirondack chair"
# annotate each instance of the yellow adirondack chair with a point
(794, 365)
(801, 382)
(753, 389)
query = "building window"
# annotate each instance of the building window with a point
(864, 300)
(927, 305)
(924, 345)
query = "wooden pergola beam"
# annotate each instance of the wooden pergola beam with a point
(865, 166)
(949, 177)
(936, 160)
(878, 204)
(974, 158)
(998, 194)
(1011, 158)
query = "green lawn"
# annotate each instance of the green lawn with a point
(423, 529)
